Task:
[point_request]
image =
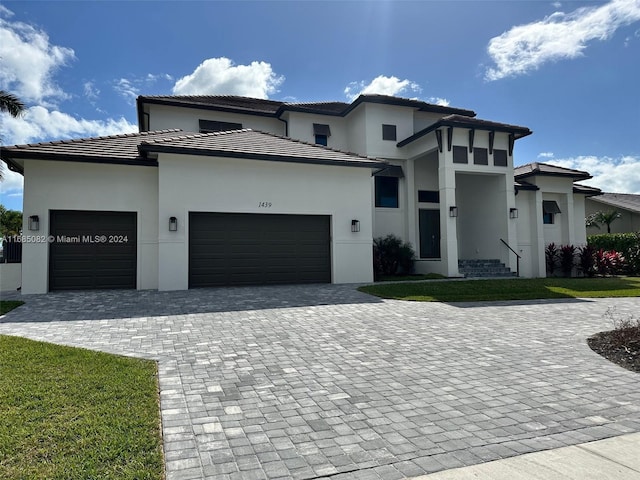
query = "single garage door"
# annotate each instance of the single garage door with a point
(92, 250)
(255, 249)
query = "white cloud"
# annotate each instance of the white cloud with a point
(559, 36)
(126, 88)
(28, 62)
(220, 76)
(439, 101)
(91, 91)
(12, 183)
(545, 155)
(556, 4)
(39, 123)
(381, 85)
(5, 12)
(617, 175)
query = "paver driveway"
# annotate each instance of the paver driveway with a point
(313, 381)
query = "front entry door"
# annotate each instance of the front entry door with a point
(429, 233)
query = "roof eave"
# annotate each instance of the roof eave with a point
(204, 106)
(26, 155)
(149, 148)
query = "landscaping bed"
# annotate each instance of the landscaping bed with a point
(620, 345)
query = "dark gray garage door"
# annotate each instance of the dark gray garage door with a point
(92, 250)
(254, 249)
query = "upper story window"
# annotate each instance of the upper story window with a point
(480, 156)
(460, 154)
(389, 132)
(322, 133)
(500, 158)
(549, 209)
(210, 126)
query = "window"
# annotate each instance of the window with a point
(322, 140)
(480, 156)
(322, 133)
(460, 155)
(210, 126)
(428, 196)
(500, 158)
(386, 192)
(388, 132)
(549, 209)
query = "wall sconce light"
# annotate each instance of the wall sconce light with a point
(453, 212)
(355, 226)
(173, 224)
(34, 223)
(513, 213)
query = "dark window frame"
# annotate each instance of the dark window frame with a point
(548, 218)
(498, 158)
(428, 196)
(460, 154)
(387, 192)
(389, 132)
(322, 140)
(480, 156)
(212, 126)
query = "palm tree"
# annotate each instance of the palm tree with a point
(607, 218)
(11, 104)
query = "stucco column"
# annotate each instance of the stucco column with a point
(511, 230)
(412, 219)
(448, 225)
(571, 219)
(538, 265)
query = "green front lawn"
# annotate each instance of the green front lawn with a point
(508, 289)
(8, 305)
(68, 413)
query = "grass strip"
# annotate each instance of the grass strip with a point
(508, 289)
(70, 413)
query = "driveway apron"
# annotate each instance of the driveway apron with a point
(318, 381)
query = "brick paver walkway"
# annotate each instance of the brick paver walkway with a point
(309, 382)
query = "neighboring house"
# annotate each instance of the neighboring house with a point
(627, 204)
(223, 190)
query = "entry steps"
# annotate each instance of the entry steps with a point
(484, 268)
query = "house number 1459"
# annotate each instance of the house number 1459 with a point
(264, 204)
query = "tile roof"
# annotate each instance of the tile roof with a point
(122, 147)
(463, 121)
(134, 149)
(247, 143)
(536, 168)
(586, 190)
(276, 108)
(628, 201)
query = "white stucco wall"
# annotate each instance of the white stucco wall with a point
(301, 128)
(209, 184)
(10, 276)
(55, 185)
(530, 233)
(376, 116)
(163, 117)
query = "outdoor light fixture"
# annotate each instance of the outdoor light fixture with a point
(513, 213)
(173, 224)
(34, 223)
(355, 226)
(453, 212)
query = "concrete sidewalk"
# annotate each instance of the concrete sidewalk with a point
(616, 458)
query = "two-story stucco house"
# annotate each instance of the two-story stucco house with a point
(223, 190)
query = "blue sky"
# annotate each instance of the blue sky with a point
(567, 70)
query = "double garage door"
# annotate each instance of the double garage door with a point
(254, 249)
(98, 250)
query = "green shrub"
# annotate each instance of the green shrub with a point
(567, 258)
(392, 256)
(552, 255)
(587, 256)
(627, 244)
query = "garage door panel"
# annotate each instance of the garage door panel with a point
(249, 249)
(88, 261)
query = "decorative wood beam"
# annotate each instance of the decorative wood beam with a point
(472, 134)
(492, 135)
(512, 140)
(449, 138)
(439, 139)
